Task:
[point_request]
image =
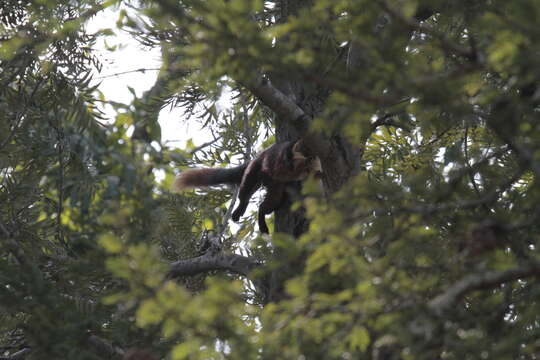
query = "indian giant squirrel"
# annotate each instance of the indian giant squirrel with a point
(273, 168)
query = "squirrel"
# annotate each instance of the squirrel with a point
(273, 168)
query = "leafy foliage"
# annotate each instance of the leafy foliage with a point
(424, 246)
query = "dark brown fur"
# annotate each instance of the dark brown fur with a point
(273, 168)
(208, 177)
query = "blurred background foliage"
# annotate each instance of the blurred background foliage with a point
(428, 250)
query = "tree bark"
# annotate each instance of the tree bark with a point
(339, 159)
(234, 263)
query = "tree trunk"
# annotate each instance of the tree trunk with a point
(340, 162)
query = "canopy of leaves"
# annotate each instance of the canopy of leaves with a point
(422, 243)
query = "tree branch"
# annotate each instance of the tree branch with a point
(202, 146)
(234, 263)
(283, 106)
(104, 348)
(387, 120)
(19, 355)
(141, 70)
(287, 110)
(485, 280)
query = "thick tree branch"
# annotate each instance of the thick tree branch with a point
(283, 106)
(287, 110)
(485, 280)
(234, 263)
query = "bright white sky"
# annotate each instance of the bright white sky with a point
(129, 55)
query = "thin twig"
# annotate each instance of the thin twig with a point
(470, 171)
(19, 355)
(12, 132)
(4, 230)
(60, 137)
(412, 23)
(104, 347)
(202, 146)
(142, 70)
(21, 115)
(247, 157)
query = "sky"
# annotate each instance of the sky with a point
(129, 56)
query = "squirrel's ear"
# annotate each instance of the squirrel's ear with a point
(297, 150)
(296, 147)
(296, 153)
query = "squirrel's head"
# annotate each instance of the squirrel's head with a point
(302, 161)
(297, 153)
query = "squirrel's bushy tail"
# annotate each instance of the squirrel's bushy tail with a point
(208, 177)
